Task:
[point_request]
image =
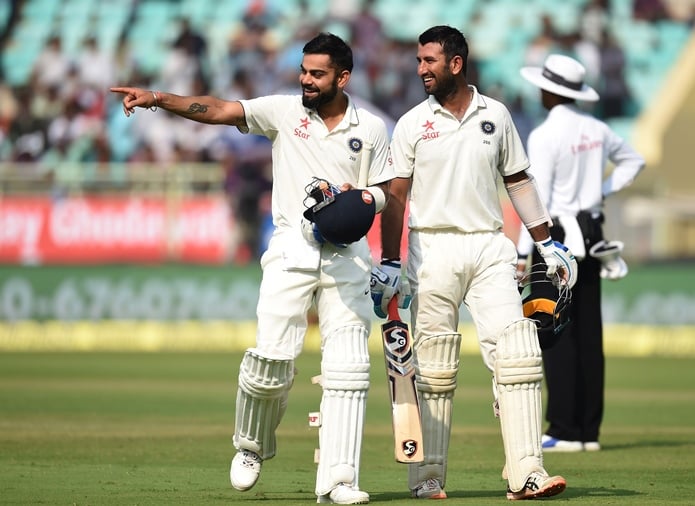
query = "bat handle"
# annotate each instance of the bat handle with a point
(393, 309)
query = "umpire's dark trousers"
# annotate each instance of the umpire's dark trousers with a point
(575, 366)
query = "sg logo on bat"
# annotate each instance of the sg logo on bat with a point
(397, 347)
(409, 447)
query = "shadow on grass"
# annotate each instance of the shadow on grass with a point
(570, 492)
(599, 492)
(454, 494)
(644, 444)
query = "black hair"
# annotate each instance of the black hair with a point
(332, 45)
(452, 40)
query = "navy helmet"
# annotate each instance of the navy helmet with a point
(342, 217)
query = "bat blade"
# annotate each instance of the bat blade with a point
(400, 373)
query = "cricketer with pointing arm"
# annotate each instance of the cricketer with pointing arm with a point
(449, 153)
(317, 254)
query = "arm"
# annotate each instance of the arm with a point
(382, 199)
(392, 219)
(533, 213)
(385, 280)
(201, 109)
(628, 164)
(527, 202)
(379, 191)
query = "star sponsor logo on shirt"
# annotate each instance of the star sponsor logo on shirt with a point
(303, 123)
(430, 132)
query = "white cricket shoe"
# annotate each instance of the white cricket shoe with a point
(344, 494)
(538, 485)
(551, 444)
(245, 469)
(592, 446)
(429, 489)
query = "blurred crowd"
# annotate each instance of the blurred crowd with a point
(64, 113)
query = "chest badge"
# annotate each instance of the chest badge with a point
(488, 127)
(355, 144)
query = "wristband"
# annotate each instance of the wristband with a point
(156, 102)
(379, 197)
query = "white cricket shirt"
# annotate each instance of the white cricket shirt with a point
(456, 165)
(302, 147)
(569, 154)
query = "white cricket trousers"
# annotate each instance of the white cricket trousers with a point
(340, 287)
(449, 268)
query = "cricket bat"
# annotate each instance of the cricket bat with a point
(400, 372)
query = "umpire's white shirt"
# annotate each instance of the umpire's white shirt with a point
(569, 154)
(456, 165)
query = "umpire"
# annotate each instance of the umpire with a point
(569, 154)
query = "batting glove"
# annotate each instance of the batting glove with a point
(385, 283)
(559, 260)
(311, 233)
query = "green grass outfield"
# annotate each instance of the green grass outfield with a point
(92, 428)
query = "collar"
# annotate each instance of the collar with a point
(350, 118)
(477, 101)
(562, 109)
(351, 111)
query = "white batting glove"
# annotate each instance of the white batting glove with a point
(559, 260)
(311, 233)
(385, 283)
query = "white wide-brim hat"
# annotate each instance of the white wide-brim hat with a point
(562, 76)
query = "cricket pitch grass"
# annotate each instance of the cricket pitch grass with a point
(156, 428)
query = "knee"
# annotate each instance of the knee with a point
(518, 355)
(437, 362)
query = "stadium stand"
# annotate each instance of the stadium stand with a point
(53, 115)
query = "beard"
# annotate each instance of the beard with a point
(323, 97)
(446, 85)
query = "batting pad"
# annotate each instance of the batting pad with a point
(518, 375)
(436, 368)
(264, 385)
(345, 381)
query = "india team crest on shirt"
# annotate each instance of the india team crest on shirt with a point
(355, 144)
(488, 127)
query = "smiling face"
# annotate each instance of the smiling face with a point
(434, 70)
(319, 80)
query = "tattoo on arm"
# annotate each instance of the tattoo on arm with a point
(197, 108)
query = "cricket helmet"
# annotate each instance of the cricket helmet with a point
(342, 217)
(546, 302)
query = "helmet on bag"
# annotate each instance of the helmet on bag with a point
(342, 217)
(545, 303)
